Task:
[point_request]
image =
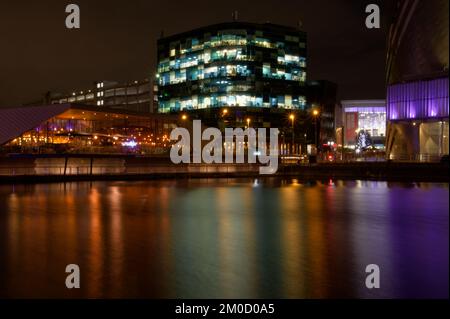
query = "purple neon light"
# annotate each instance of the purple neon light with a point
(418, 100)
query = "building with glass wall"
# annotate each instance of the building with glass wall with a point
(76, 128)
(367, 116)
(417, 82)
(234, 64)
(238, 74)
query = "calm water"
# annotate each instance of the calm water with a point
(225, 239)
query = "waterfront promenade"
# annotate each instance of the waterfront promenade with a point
(57, 168)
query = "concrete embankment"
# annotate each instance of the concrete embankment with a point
(38, 169)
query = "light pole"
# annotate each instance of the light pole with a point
(248, 122)
(305, 150)
(292, 117)
(316, 115)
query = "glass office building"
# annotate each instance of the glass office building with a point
(234, 64)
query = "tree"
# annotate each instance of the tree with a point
(363, 140)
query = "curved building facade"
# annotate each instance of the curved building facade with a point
(417, 81)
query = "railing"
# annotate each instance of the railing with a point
(127, 170)
(15, 171)
(135, 166)
(428, 158)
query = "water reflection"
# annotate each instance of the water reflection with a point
(264, 238)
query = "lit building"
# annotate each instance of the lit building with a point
(234, 64)
(368, 116)
(74, 128)
(135, 96)
(237, 74)
(417, 78)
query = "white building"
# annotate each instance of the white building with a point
(357, 115)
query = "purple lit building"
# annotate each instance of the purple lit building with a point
(417, 79)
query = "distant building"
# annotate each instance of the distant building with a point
(368, 116)
(417, 79)
(135, 96)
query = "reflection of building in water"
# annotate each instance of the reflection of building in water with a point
(417, 82)
(82, 129)
(366, 115)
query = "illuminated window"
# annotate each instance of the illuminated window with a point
(302, 62)
(206, 56)
(266, 70)
(265, 43)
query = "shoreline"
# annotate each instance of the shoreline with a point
(377, 171)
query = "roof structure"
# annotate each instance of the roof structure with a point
(15, 121)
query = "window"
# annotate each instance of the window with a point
(265, 43)
(292, 38)
(266, 70)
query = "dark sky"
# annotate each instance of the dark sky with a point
(117, 41)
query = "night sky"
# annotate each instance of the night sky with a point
(117, 41)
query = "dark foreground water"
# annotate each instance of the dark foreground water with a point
(225, 239)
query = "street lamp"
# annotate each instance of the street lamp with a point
(292, 117)
(184, 117)
(224, 112)
(316, 115)
(248, 122)
(305, 144)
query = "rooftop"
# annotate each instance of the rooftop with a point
(271, 27)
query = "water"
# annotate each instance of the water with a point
(224, 238)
